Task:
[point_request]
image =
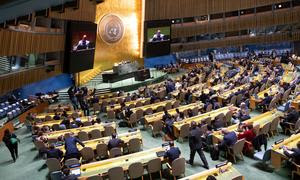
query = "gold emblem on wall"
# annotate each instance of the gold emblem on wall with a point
(111, 28)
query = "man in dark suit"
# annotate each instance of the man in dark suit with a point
(265, 102)
(229, 139)
(71, 147)
(54, 153)
(195, 143)
(114, 142)
(95, 99)
(291, 118)
(295, 155)
(173, 153)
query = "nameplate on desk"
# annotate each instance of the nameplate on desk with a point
(132, 130)
(279, 141)
(221, 164)
(164, 144)
(160, 153)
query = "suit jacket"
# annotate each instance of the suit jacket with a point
(71, 145)
(267, 100)
(292, 117)
(229, 139)
(54, 153)
(295, 156)
(115, 142)
(195, 141)
(173, 153)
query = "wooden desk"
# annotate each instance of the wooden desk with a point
(108, 100)
(56, 134)
(153, 106)
(93, 143)
(117, 107)
(226, 172)
(199, 118)
(197, 87)
(258, 78)
(37, 109)
(149, 119)
(151, 87)
(287, 67)
(159, 90)
(51, 123)
(271, 92)
(102, 96)
(206, 91)
(43, 115)
(109, 95)
(287, 77)
(277, 155)
(225, 95)
(65, 107)
(261, 119)
(296, 103)
(102, 167)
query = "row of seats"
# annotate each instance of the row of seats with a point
(231, 55)
(195, 59)
(135, 170)
(225, 56)
(11, 110)
(279, 52)
(94, 134)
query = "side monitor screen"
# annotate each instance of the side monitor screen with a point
(157, 38)
(80, 46)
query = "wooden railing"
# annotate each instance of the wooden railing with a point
(260, 20)
(15, 80)
(20, 43)
(235, 41)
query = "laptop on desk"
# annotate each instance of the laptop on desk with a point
(284, 107)
(75, 169)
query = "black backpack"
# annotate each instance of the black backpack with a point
(214, 154)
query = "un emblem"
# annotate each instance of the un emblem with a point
(111, 29)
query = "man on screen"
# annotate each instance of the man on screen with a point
(158, 36)
(82, 44)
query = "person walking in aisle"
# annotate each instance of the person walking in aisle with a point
(195, 143)
(11, 142)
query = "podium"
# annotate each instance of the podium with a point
(125, 71)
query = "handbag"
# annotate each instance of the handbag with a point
(13, 140)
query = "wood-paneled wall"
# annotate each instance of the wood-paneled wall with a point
(266, 19)
(12, 81)
(171, 9)
(85, 12)
(235, 41)
(21, 43)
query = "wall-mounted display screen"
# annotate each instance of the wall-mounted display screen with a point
(80, 46)
(157, 38)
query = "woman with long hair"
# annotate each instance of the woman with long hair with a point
(11, 142)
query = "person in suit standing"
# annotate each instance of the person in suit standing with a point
(195, 143)
(114, 142)
(173, 153)
(71, 147)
